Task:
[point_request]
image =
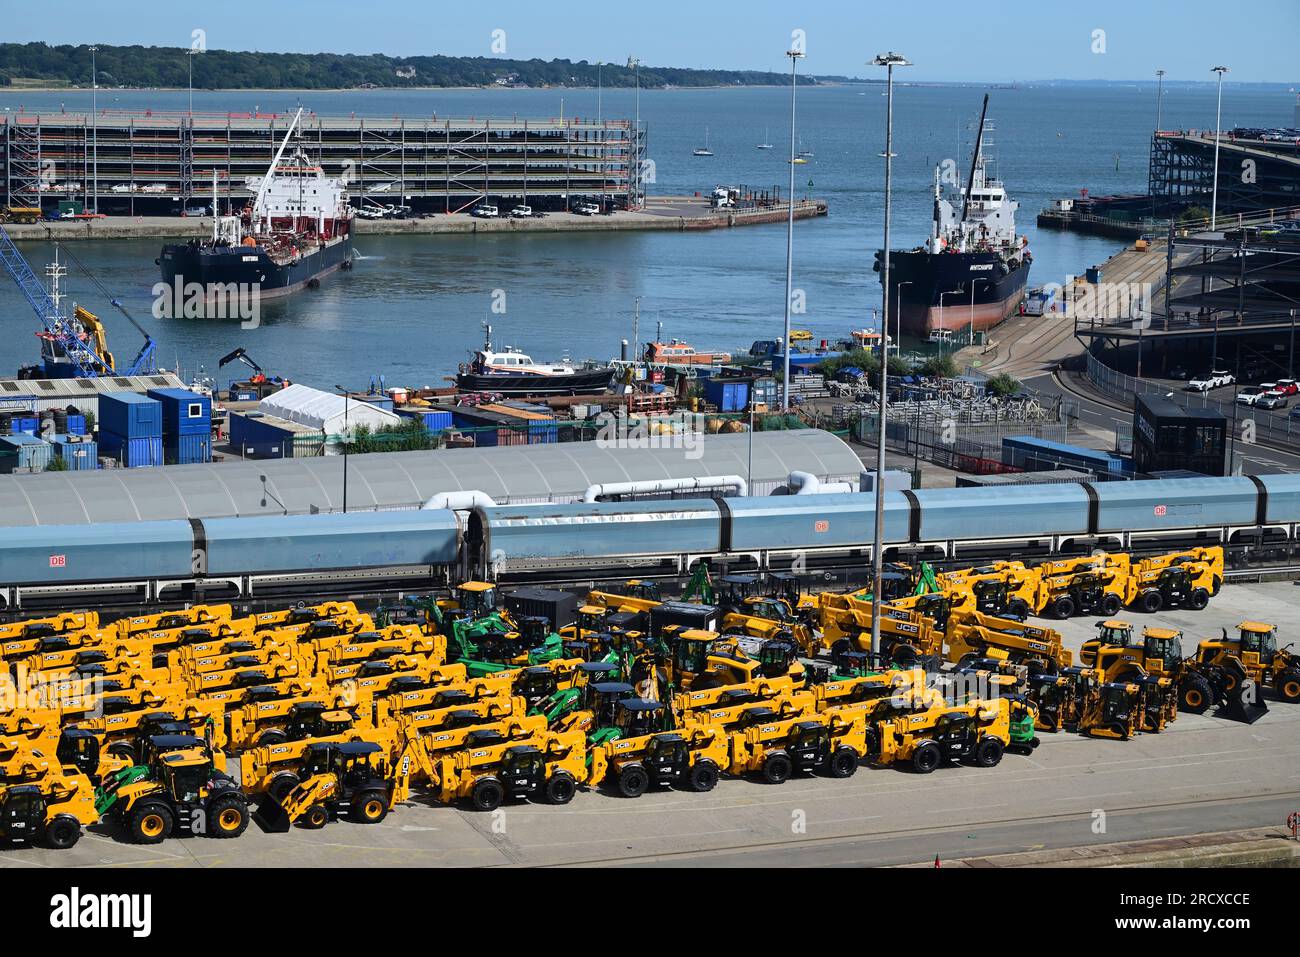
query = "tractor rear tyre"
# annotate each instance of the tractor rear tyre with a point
(926, 757)
(62, 833)
(1110, 605)
(1151, 602)
(843, 763)
(1195, 696)
(315, 818)
(777, 768)
(150, 823)
(271, 736)
(1198, 599)
(487, 795)
(1018, 608)
(370, 807)
(281, 785)
(227, 817)
(704, 776)
(988, 753)
(561, 788)
(1063, 607)
(633, 781)
(904, 656)
(1288, 686)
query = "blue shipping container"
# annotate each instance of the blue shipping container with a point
(78, 456)
(435, 420)
(184, 412)
(23, 452)
(187, 449)
(1034, 454)
(76, 425)
(132, 453)
(19, 425)
(729, 395)
(130, 415)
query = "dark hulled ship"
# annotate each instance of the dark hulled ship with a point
(297, 229)
(972, 271)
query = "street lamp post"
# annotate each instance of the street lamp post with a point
(1218, 113)
(94, 131)
(1160, 86)
(942, 327)
(346, 396)
(898, 314)
(794, 56)
(888, 61)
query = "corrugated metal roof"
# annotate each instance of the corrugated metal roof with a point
(75, 388)
(558, 472)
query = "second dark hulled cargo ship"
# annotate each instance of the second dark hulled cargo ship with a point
(971, 272)
(297, 229)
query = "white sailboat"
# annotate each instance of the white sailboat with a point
(704, 150)
(765, 145)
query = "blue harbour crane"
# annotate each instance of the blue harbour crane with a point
(71, 346)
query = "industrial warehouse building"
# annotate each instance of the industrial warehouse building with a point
(559, 473)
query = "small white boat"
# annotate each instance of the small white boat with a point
(704, 150)
(765, 145)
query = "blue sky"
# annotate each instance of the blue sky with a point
(947, 40)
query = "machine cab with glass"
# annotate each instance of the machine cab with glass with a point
(523, 769)
(475, 599)
(809, 745)
(1164, 644)
(1258, 638)
(638, 717)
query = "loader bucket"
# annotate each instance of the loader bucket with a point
(1246, 704)
(271, 816)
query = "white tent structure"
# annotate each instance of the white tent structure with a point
(332, 414)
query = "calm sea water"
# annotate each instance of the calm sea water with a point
(412, 309)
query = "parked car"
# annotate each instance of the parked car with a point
(484, 211)
(1289, 386)
(1210, 380)
(1249, 395)
(521, 212)
(198, 211)
(586, 209)
(1295, 412)
(1180, 372)
(1272, 400)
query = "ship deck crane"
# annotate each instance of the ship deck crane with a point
(66, 343)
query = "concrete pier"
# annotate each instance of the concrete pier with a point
(679, 213)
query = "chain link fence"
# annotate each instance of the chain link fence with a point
(1248, 423)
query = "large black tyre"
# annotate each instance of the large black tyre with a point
(633, 781)
(1018, 608)
(1288, 685)
(271, 736)
(1198, 599)
(843, 763)
(370, 806)
(227, 816)
(1110, 604)
(704, 776)
(1063, 607)
(281, 785)
(62, 833)
(926, 757)
(121, 749)
(1195, 696)
(315, 818)
(988, 753)
(777, 768)
(487, 794)
(1151, 601)
(561, 788)
(904, 655)
(150, 823)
